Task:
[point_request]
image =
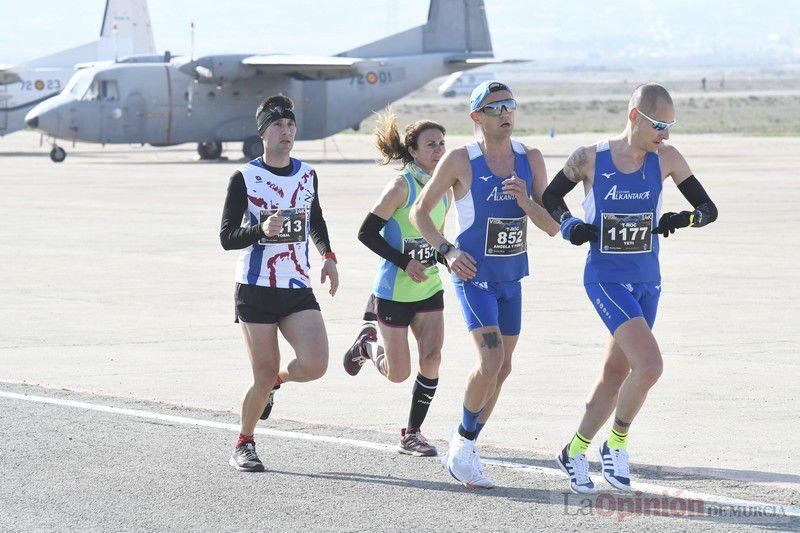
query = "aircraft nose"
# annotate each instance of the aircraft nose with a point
(32, 122)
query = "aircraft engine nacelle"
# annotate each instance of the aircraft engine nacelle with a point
(218, 69)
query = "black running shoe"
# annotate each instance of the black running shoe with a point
(357, 354)
(245, 459)
(270, 403)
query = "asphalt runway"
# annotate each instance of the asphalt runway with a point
(115, 289)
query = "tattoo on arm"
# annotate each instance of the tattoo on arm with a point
(621, 423)
(490, 340)
(573, 169)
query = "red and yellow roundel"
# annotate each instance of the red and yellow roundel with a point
(39, 84)
(372, 78)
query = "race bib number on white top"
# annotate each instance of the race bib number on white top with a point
(626, 233)
(506, 236)
(294, 226)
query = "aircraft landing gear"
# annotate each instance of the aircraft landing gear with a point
(209, 150)
(57, 154)
(253, 147)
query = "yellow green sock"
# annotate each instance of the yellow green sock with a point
(578, 445)
(617, 440)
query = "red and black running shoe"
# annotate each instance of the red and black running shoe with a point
(357, 354)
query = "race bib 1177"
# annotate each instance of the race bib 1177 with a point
(626, 233)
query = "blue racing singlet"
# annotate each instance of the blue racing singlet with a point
(492, 227)
(626, 208)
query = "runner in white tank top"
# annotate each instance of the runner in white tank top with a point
(271, 210)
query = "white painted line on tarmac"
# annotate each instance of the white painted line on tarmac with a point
(645, 488)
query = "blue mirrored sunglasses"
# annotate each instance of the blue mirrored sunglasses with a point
(495, 108)
(657, 124)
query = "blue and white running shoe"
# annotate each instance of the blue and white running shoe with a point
(616, 469)
(577, 468)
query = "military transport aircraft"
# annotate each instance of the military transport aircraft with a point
(210, 100)
(125, 31)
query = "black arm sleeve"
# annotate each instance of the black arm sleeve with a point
(370, 234)
(705, 212)
(231, 235)
(553, 196)
(318, 230)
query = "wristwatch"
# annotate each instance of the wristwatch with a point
(445, 247)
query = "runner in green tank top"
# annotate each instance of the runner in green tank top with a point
(391, 281)
(407, 291)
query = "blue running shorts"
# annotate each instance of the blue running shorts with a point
(616, 303)
(491, 303)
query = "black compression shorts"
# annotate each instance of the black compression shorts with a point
(400, 314)
(267, 305)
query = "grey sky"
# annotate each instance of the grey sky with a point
(563, 33)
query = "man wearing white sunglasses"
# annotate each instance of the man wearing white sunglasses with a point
(497, 184)
(622, 179)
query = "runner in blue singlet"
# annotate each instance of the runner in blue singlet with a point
(497, 184)
(623, 179)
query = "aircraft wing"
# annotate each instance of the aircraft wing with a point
(310, 67)
(467, 62)
(232, 67)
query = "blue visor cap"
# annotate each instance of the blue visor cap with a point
(483, 90)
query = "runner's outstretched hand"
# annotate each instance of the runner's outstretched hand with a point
(416, 271)
(329, 271)
(671, 221)
(462, 264)
(583, 232)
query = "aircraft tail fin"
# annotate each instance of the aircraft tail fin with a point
(131, 21)
(133, 35)
(456, 26)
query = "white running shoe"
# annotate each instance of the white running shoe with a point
(616, 468)
(577, 468)
(481, 480)
(460, 462)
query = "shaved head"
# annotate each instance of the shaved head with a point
(647, 97)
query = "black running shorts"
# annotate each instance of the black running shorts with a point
(267, 305)
(400, 314)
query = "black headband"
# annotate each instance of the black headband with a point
(269, 115)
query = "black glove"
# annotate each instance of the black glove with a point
(583, 232)
(671, 221)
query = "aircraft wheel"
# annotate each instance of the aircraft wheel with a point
(253, 147)
(58, 154)
(209, 150)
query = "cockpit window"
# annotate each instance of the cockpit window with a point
(79, 82)
(102, 90)
(108, 90)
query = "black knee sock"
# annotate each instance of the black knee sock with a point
(421, 396)
(369, 312)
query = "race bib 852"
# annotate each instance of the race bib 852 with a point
(506, 236)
